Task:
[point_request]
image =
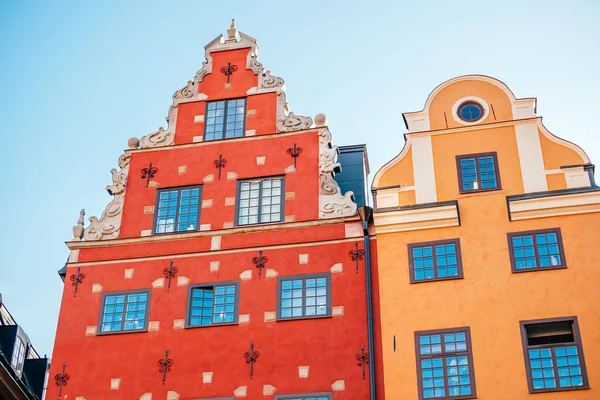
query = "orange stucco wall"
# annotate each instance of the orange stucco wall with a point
(490, 299)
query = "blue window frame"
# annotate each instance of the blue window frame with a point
(124, 311)
(470, 111)
(225, 119)
(553, 355)
(177, 209)
(304, 296)
(431, 261)
(445, 364)
(260, 201)
(536, 250)
(478, 172)
(213, 304)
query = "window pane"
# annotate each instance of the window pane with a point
(264, 192)
(309, 297)
(129, 313)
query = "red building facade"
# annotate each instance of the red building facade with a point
(228, 253)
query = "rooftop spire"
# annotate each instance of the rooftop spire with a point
(232, 32)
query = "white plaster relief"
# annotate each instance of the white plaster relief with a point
(230, 201)
(303, 258)
(182, 169)
(197, 139)
(215, 243)
(332, 203)
(231, 176)
(97, 288)
(268, 390)
(207, 377)
(146, 232)
(172, 395)
(146, 396)
(290, 195)
(246, 275)
(228, 225)
(214, 266)
(336, 268)
(423, 170)
(129, 273)
(178, 323)
(269, 316)
(198, 118)
(303, 372)
(153, 325)
(271, 273)
(152, 184)
(261, 160)
(159, 283)
(90, 330)
(290, 169)
(182, 280)
(244, 318)
(353, 229)
(531, 158)
(73, 255)
(241, 391)
(115, 383)
(338, 385)
(209, 178)
(251, 132)
(205, 227)
(577, 177)
(289, 218)
(80, 398)
(480, 101)
(251, 112)
(387, 198)
(337, 311)
(109, 223)
(148, 209)
(207, 203)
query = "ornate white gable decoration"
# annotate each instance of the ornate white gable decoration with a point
(109, 224)
(332, 203)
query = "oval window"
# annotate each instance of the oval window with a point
(470, 111)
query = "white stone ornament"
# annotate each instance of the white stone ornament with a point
(293, 122)
(78, 229)
(332, 203)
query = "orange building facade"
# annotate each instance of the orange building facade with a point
(230, 263)
(487, 231)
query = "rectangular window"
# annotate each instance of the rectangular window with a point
(18, 355)
(304, 296)
(308, 396)
(478, 172)
(432, 261)
(177, 209)
(536, 250)
(213, 304)
(260, 201)
(553, 355)
(445, 364)
(124, 311)
(225, 119)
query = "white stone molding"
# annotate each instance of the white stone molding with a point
(115, 383)
(484, 105)
(332, 203)
(269, 390)
(293, 122)
(109, 224)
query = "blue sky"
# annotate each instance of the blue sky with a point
(78, 78)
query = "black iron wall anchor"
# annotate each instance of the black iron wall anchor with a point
(356, 255)
(76, 279)
(170, 273)
(362, 358)
(229, 70)
(220, 163)
(148, 173)
(295, 152)
(61, 379)
(164, 366)
(260, 262)
(251, 357)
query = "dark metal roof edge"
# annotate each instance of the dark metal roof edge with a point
(551, 193)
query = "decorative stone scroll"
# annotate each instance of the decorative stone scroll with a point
(109, 224)
(332, 203)
(269, 81)
(293, 122)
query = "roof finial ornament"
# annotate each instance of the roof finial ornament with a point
(232, 33)
(78, 229)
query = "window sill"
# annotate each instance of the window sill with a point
(121, 332)
(475, 193)
(211, 325)
(454, 278)
(537, 269)
(282, 319)
(587, 387)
